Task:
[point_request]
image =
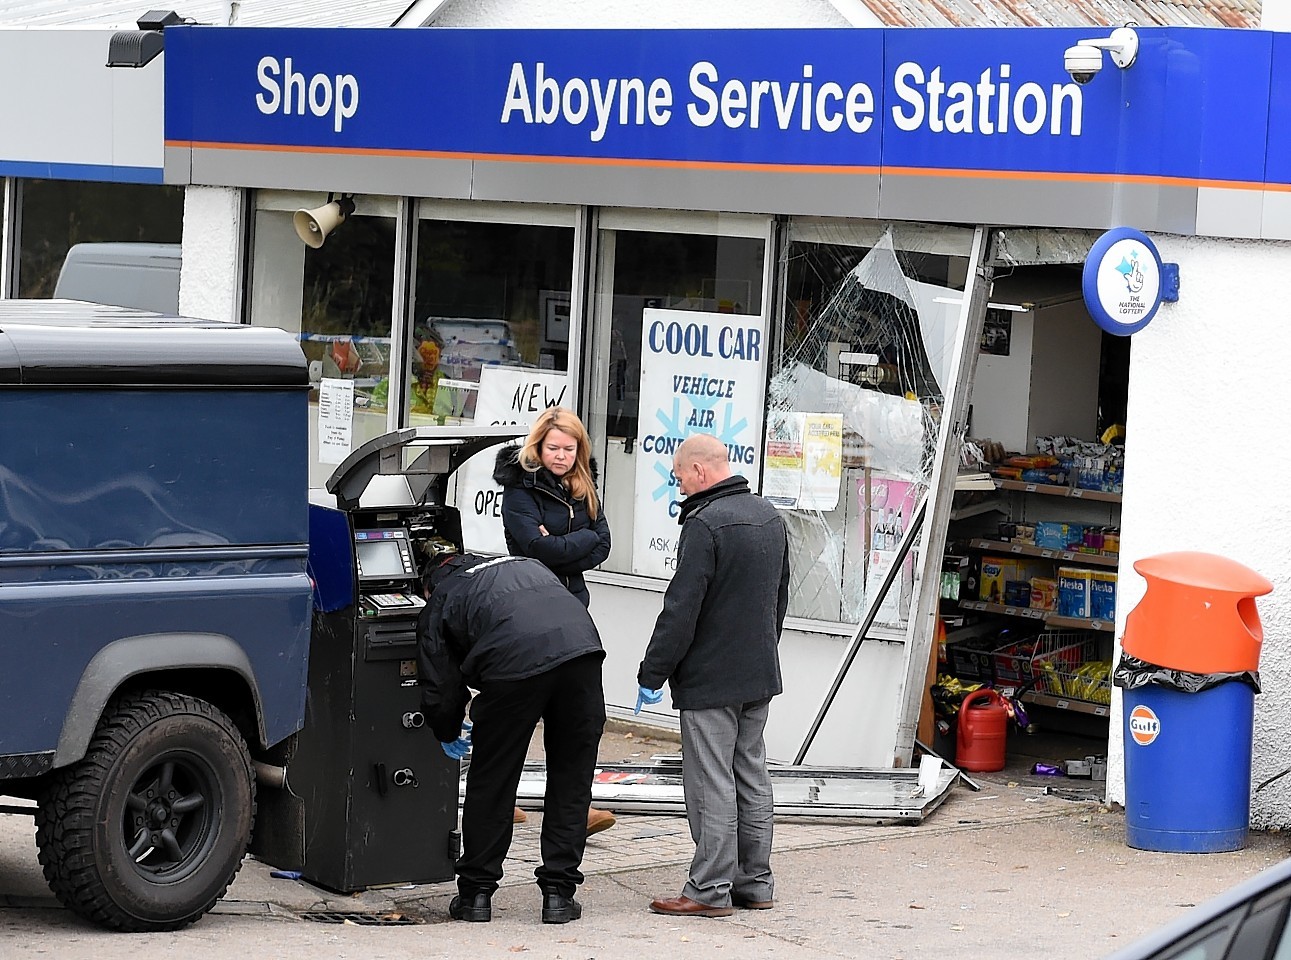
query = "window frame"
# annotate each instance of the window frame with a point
(608, 222)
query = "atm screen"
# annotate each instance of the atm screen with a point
(379, 558)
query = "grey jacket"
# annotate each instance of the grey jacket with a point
(716, 640)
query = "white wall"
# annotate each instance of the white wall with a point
(1275, 15)
(623, 14)
(63, 105)
(1207, 461)
(1047, 385)
(208, 279)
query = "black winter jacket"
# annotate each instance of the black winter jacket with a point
(508, 618)
(716, 640)
(574, 542)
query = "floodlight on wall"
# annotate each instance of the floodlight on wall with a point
(138, 48)
(313, 226)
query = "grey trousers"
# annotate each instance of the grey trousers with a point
(728, 803)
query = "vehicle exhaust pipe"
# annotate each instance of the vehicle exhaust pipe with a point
(268, 775)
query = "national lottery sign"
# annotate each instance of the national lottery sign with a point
(700, 373)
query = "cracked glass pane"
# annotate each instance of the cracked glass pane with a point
(864, 360)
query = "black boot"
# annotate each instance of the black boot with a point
(474, 909)
(558, 909)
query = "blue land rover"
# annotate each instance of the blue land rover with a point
(154, 600)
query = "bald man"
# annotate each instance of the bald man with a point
(716, 645)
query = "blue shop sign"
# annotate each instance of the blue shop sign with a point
(967, 101)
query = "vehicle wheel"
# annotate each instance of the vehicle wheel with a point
(149, 829)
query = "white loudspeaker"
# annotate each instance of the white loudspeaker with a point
(313, 226)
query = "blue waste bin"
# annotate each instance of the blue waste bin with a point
(1188, 767)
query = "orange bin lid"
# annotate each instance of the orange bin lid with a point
(1198, 614)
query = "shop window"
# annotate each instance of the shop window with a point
(488, 296)
(864, 356)
(56, 214)
(633, 413)
(338, 299)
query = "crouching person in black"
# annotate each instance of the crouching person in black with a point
(508, 628)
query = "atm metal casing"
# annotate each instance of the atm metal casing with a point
(370, 798)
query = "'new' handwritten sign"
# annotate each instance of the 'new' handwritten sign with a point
(507, 395)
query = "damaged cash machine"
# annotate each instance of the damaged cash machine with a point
(368, 796)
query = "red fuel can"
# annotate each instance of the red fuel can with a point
(983, 727)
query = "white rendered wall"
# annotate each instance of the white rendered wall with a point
(1275, 15)
(1207, 462)
(625, 15)
(208, 279)
(63, 105)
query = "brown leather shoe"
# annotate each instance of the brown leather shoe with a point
(744, 904)
(686, 907)
(598, 820)
(519, 816)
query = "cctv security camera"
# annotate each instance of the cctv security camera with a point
(1086, 58)
(1082, 62)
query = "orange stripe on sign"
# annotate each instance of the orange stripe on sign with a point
(1042, 176)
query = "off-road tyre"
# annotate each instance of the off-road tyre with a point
(149, 829)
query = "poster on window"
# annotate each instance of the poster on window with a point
(804, 460)
(822, 461)
(887, 503)
(700, 373)
(782, 472)
(507, 396)
(335, 419)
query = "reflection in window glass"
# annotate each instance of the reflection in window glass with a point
(486, 294)
(338, 299)
(867, 342)
(673, 271)
(56, 214)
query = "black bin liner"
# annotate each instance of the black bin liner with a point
(1131, 673)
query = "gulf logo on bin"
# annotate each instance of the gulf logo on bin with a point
(1144, 725)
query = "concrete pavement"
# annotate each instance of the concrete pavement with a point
(1010, 872)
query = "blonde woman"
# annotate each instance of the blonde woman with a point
(550, 510)
(551, 513)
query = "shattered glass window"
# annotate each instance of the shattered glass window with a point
(865, 355)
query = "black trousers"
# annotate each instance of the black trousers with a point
(571, 704)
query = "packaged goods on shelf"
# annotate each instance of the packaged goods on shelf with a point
(971, 659)
(1102, 594)
(1032, 461)
(1019, 662)
(1044, 593)
(1091, 465)
(998, 571)
(1059, 535)
(1088, 680)
(1017, 593)
(1073, 592)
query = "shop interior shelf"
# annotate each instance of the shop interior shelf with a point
(1053, 490)
(1004, 546)
(1064, 671)
(1066, 703)
(976, 509)
(1048, 616)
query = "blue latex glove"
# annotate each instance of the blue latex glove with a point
(460, 747)
(646, 695)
